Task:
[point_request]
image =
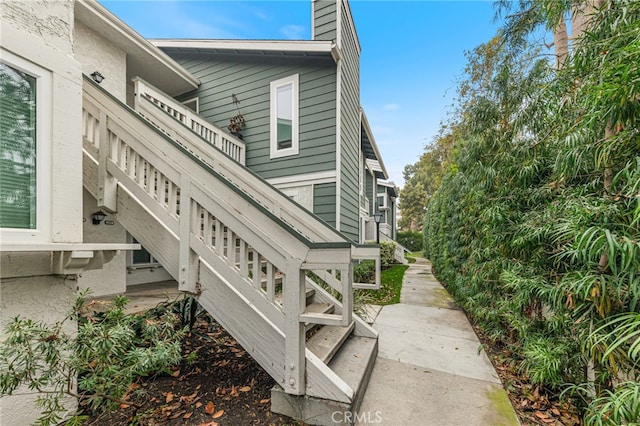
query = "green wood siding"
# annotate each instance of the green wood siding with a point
(368, 185)
(350, 131)
(324, 202)
(324, 19)
(248, 78)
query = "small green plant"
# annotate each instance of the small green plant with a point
(108, 352)
(364, 272)
(187, 310)
(387, 251)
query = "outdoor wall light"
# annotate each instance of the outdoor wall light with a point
(98, 217)
(97, 77)
(377, 216)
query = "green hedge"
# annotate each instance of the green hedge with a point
(411, 240)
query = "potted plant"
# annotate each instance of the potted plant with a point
(236, 123)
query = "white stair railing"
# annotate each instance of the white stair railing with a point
(146, 94)
(216, 224)
(258, 189)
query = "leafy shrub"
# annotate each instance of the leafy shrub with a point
(110, 350)
(411, 240)
(387, 253)
(364, 272)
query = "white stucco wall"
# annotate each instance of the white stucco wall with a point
(44, 298)
(49, 21)
(97, 54)
(112, 278)
(40, 32)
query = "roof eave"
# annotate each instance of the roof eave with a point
(318, 47)
(372, 142)
(100, 20)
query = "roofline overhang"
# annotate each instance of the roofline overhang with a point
(131, 42)
(390, 186)
(372, 142)
(264, 46)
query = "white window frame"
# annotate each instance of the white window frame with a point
(292, 80)
(42, 231)
(384, 199)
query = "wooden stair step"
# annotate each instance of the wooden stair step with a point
(318, 308)
(309, 293)
(327, 341)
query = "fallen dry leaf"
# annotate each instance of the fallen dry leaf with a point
(209, 408)
(186, 416)
(245, 389)
(198, 404)
(265, 401)
(189, 398)
(176, 373)
(123, 406)
(541, 415)
(168, 397)
(178, 414)
(208, 424)
(218, 414)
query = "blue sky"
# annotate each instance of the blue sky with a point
(412, 52)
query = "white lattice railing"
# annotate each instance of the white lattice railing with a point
(147, 96)
(218, 227)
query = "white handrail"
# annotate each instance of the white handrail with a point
(265, 194)
(230, 145)
(214, 222)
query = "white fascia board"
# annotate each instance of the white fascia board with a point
(374, 165)
(388, 184)
(55, 247)
(99, 19)
(374, 145)
(238, 46)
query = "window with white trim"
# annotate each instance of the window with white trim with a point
(284, 117)
(382, 200)
(25, 132)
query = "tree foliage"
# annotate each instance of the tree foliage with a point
(535, 227)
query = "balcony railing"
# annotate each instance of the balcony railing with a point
(148, 99)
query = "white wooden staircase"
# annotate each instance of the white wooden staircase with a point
(245, 249)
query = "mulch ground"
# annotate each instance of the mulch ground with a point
(218, 383)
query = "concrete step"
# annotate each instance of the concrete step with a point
(354, 363)
(328, 340)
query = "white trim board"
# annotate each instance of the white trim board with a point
(305, 179)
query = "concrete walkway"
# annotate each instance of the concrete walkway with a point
(429, 369)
